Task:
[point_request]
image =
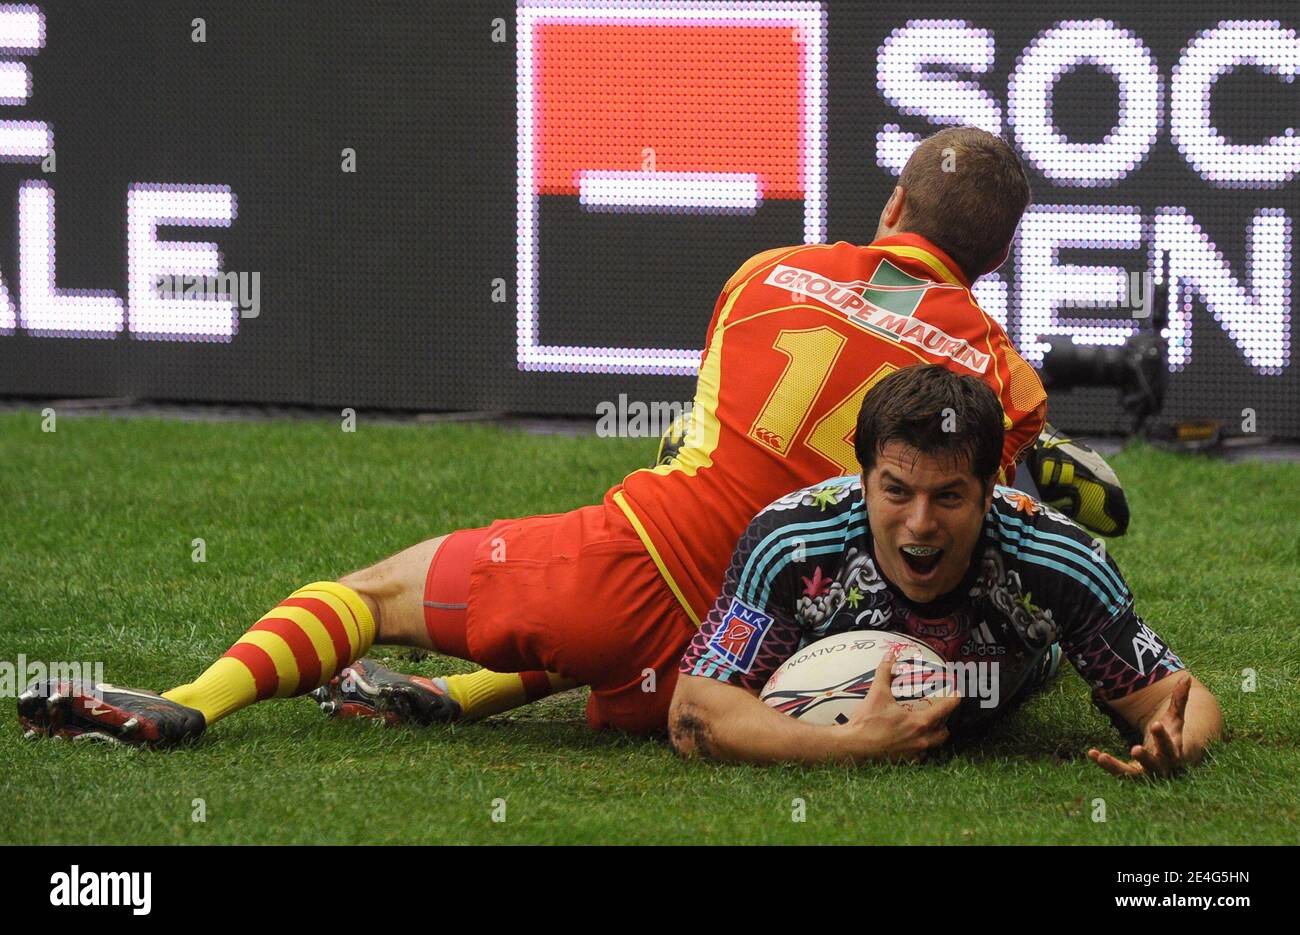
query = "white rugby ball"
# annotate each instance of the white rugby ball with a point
(823, 682)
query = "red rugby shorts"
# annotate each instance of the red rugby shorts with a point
(574, 593)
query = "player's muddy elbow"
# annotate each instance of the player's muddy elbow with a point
(687, 730)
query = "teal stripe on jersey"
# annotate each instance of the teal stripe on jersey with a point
(771, 576)
(1091, 557)
(712, 666)
(757, 568)
(1113, 604)
(1077, 552)
(1057, 566)
(843, 480)
(1083, 568)
(757, 557)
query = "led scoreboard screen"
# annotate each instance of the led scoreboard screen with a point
(533, 207)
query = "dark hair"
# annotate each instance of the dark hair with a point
(933, 411)
(965, 191)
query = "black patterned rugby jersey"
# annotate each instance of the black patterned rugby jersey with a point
(804, 569)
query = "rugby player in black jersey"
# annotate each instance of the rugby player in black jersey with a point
(925, 543)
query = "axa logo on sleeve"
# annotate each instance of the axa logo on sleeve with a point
(932, 69)
(89, 888)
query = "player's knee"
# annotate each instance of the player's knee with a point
(370, 586)
(393, 589)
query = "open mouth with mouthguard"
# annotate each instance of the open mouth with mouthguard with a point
(920, 559)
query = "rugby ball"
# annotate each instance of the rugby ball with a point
(823, 682)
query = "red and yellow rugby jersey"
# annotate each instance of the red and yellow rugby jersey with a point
(798, 336)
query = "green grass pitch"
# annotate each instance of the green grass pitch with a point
(97, 521)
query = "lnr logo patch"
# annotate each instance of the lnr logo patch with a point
(740, 635)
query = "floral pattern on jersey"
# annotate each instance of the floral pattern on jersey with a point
(819, 497)
(822, 597)
(1023, 503)
(1003, 589)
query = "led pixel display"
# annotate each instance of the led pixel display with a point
(533, 207)
(670, 107)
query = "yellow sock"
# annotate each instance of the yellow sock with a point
(299, 645)
(484, 693)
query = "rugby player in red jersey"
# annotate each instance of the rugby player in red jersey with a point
(610, 595)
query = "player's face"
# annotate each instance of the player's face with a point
(925, 515)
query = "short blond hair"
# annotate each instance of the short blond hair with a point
(965, 192)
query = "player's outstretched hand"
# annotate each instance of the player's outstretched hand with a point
(891, 731)
(1161, 754)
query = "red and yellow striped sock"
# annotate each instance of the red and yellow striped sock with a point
(299, 645)
(485, 693)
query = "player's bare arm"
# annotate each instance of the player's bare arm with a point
(726, 722)
(1177, 718)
